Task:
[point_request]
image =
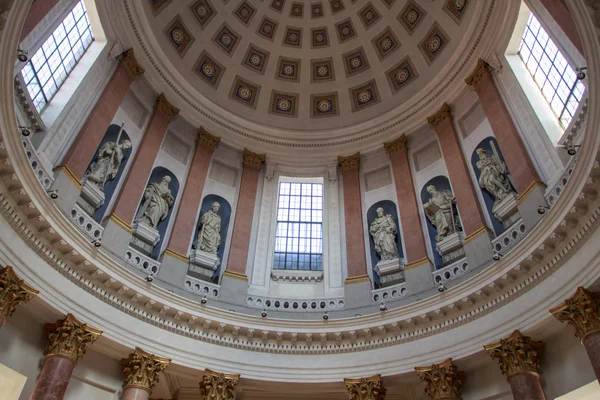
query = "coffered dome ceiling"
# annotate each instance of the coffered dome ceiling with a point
(318, 67)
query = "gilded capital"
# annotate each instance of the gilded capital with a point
(254, 160)
(365, 388)
(208, 140)
(396, 146)
(141, 369)
(443, 380)
(350, 162)
(218, 386)
(444, 113)
(165, 108)
(581, 311)
(13, 292)
(69, 337)
(480, 70)
(133, 67)
(516, 354)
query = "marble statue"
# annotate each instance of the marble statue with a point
(107, 163)
(209, 238)
(384, 230)
(494, 174)
(156, 203)
(440, 212)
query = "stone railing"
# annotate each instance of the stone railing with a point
(391, 293)
(451, 272)
(46, 178)
(295, 305)
(86, 224)
(510, 237)
(142, 261)
(201, 288)
(555, 190)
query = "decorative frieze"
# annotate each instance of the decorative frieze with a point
(370, 388)
(443, 114)
(69, 337)
(396, 146)
(443, 380)
(254, 160)
(480, 70)
(581, 312)
(13, 292)
(133, 67)
(141, 369)
(208, 140)
(218, 386)
(350, 162)
(165, 108)
(516, 354)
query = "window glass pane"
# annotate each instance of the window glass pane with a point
(54, 61)
(550, 70)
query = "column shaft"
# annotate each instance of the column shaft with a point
(526, 386)
(135, 393)
(591, 342)
(53, 379)
(515, 154)
(242, 226)
(561, 14)
(2, 321)
(37, 12)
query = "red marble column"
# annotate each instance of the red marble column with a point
(591, 342)
(141, 370)
(39, 9)
(515, 154)
(140, 170)
(470, 209)
(355, 244)
(407, 200)
(561, 14)
(526, 387)
(67, 341)
(13, 293)
(86, 143)
(184, 226)
(242, 226)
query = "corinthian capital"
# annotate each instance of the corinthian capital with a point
(207, 139)
(133, 67)
(365, 388)
(69, 337)
(444, 113)
(350, 162)
(443, 380)
(254, 160)
(141, 369)
(165, 108)
(516, 354)
(13, 292)
(477, 75)
(396, 146)
(218, 386)
(581, 311)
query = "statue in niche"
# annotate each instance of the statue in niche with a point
(209, 238)
(156, 203)
(441, 213)
(494, 175)
(107, 163)
(384, 231)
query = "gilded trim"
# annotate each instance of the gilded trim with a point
(70, 175)
(441, 116)
(208, 140)
(396, 146)
(133, 67)
(350, 162)
(176, 255)
(117, 220)
(527, 192)
(254, 160)
(165, 108)
(478, 73)
(357, 279)
(417, 263)
(475, 234)
(236, 275)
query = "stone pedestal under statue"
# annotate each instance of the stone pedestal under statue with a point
(451, 248)
(506, 210)
(144, 238)
(203, 263)
(92, 197)
(390, 272)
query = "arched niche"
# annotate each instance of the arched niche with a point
(491, 147)
(441, 183)
(111, 135)
(225, 214)
(389, 207)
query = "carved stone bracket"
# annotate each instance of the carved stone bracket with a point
(13, 292)
(165, 108)
(254, 160)
(581, 311)
(218, 386)
(133, 67)
(443, 114)
(396, 146)
(475, 78)
(69, 337)
(516, 354)
(208, 140)
(365, 388)
(141, 369)
(443, 380)
(350, 162)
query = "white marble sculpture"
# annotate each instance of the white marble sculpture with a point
(440, 212)
(107, 163)
(493, 174)
(384, 231)
(156, 203)
(209, 238)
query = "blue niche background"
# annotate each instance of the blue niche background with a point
(109, 188)
(440, 183)
(225, 214)
(389, 207)
(155, 177)
(487, 197)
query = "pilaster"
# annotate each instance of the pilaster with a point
(443, 380)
